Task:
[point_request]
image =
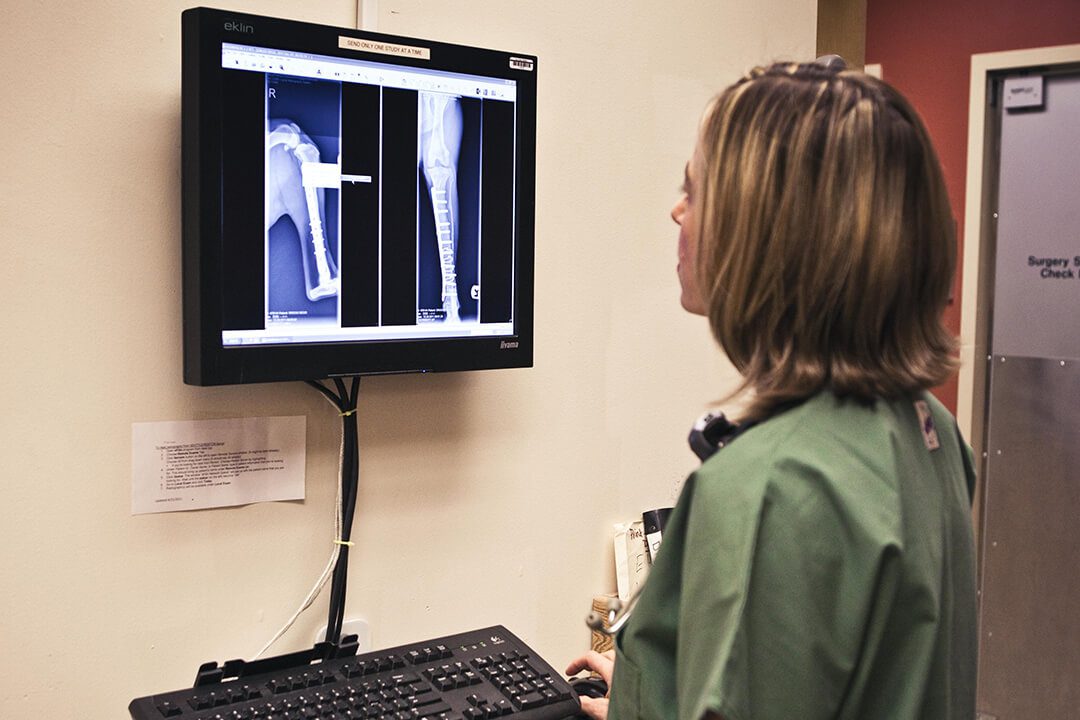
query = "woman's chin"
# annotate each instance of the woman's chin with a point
(691, 305)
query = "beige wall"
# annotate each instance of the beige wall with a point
(485, 497)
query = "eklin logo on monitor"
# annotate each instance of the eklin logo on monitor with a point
(517, 63)
(236, 26)
(508, 345)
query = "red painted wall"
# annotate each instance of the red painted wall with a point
(925, 49)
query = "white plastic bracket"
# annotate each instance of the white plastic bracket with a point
(367, 15)
(356, 626)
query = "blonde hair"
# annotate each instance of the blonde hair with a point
(827, 247)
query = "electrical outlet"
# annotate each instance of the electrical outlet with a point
(355, 626)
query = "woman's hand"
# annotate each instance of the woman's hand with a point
(603, 664)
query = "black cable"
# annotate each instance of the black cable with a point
(355, 397)
(346, 402)
(327, 392)
(336, 611)
(337, 588)
(341, 390)
(348, 509)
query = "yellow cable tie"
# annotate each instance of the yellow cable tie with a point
(347, 413)
(346, 543)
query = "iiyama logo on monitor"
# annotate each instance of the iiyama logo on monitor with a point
(508, 345)
(234, 26)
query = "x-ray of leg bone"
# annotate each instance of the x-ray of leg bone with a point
(439, 150)
(294, 189)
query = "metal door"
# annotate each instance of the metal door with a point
(1029, 657)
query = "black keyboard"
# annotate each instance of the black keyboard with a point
(476, 675)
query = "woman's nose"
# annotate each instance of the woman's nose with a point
(678, 211)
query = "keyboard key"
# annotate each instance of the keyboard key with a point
(434, 709)
(416, 705)
(169, 709)
(199, 702)
(527, 701)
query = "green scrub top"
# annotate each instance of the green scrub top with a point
(820, 566)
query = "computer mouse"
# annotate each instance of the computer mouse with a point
(589, 686)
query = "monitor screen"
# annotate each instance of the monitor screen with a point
(354, 203)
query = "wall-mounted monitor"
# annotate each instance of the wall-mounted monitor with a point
(353, 203)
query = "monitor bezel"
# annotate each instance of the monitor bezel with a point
(207, 361)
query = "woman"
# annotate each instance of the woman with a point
(822, 564)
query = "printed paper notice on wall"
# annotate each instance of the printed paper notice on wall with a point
(193, 465)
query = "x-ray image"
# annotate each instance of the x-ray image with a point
(448, 177)
(302, 180)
